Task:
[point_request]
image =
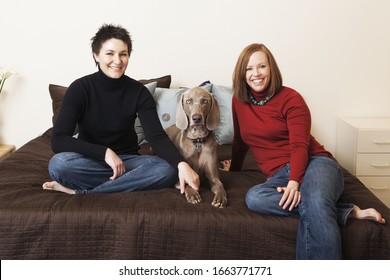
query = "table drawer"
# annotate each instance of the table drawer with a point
(369, 141)
(380, 186)
(373, 164)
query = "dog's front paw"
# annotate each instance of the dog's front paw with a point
(220, 201)
(192, 195)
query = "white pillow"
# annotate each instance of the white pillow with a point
(151, 87)
(224, 132)
(137, 124)
(166, 102)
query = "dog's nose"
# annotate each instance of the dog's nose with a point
(197, 118)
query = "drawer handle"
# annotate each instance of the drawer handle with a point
(381, 142)
(380, 165)
(379, 187)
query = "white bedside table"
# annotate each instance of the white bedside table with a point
(363, 148)
(6, 151)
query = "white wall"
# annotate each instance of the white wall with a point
(336, 53)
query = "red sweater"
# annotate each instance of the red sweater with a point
(277, 133)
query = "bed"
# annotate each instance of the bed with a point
(158, 224)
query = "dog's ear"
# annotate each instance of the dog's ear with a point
(181, 117)
(214, 116)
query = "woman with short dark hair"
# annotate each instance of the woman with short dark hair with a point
(104, 105)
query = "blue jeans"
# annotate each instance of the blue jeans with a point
(318, 231)
(86, 175)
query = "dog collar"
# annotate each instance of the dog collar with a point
(198, 143)
(199, 140)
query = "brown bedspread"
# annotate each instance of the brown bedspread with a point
(38, 224)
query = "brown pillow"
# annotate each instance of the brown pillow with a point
(162, 82)
(57, 94)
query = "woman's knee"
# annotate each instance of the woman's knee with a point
(61, 163)
(55, 164)
(170, 174)
(254, 199)
(162, 168)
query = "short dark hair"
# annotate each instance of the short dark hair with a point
(107, 32)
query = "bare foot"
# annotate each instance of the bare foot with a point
(55, 186)
(367, 214)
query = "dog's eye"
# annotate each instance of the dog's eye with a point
(189, 101)
(204, 101)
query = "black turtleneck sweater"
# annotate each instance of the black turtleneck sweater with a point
(105, 110)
